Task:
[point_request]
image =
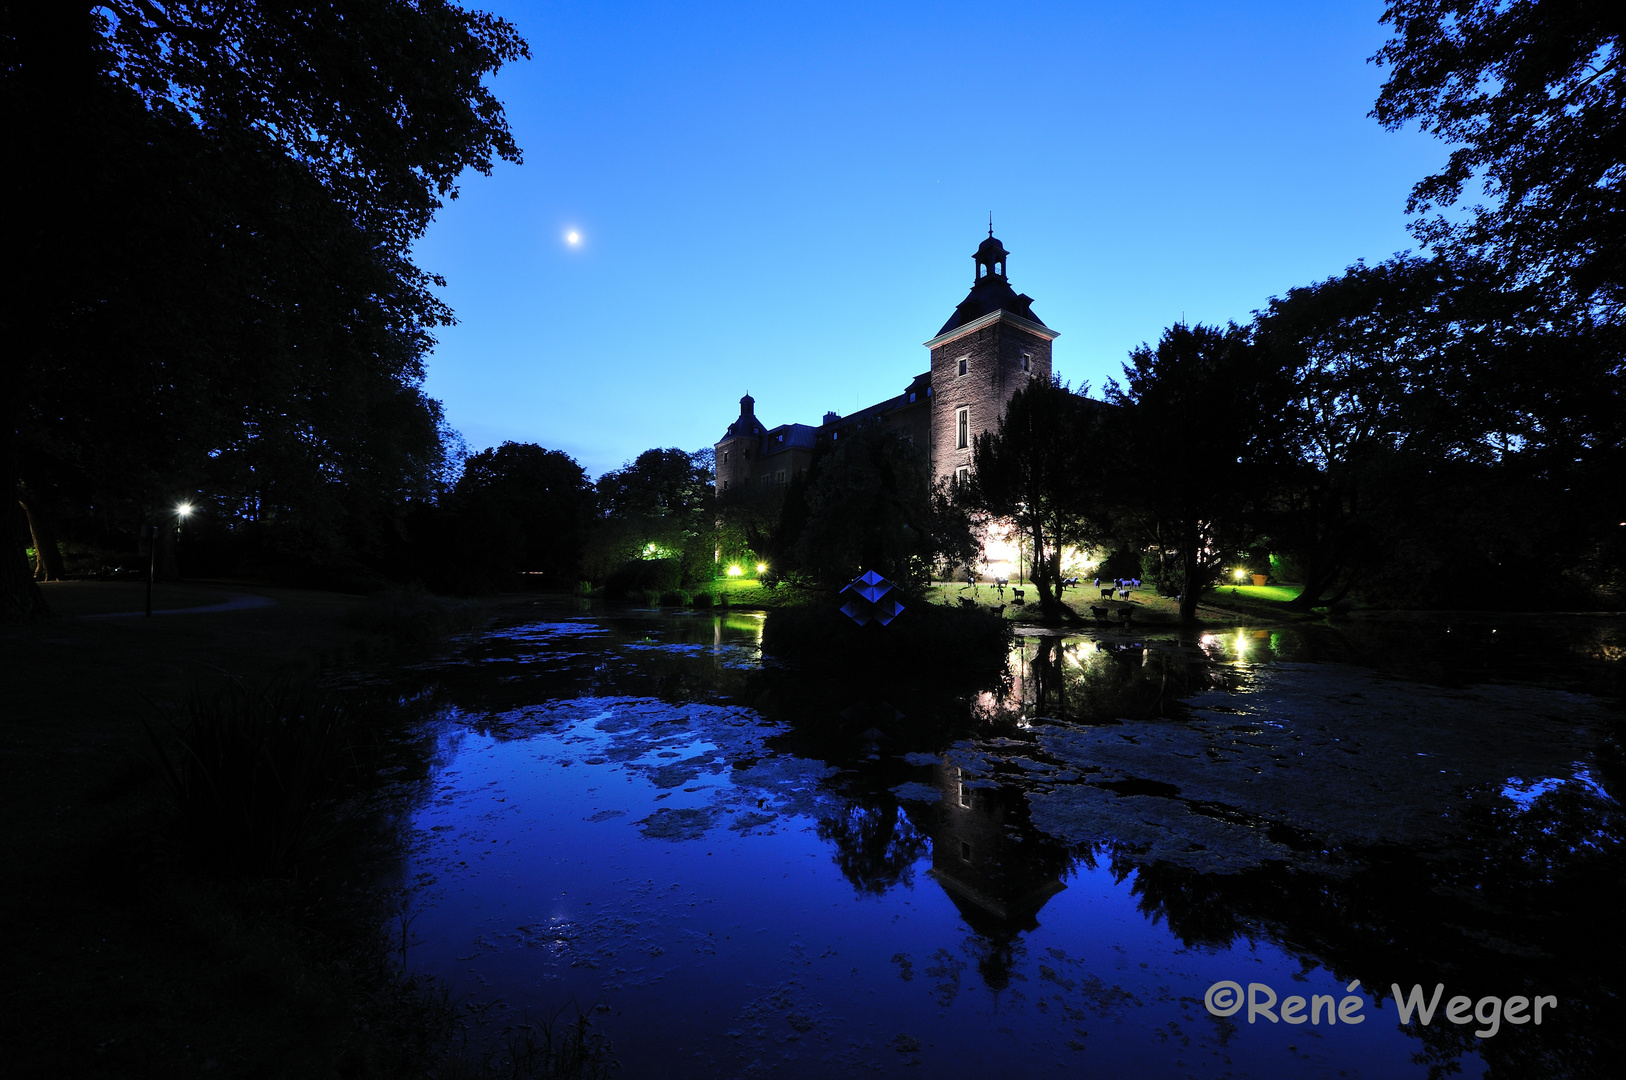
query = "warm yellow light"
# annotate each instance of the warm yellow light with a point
(762, 568)
(573, 237)
(734, 571)
(184, 509)
(1241, 574)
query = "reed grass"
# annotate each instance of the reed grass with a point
(254, 774)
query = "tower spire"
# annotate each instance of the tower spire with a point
(990, 223)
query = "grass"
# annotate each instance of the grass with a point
(751, 593)
(1220, 605)
(1279, 594)
(252, 774)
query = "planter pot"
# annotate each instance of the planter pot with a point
(1259, 579)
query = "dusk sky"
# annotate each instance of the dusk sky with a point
(783, 199)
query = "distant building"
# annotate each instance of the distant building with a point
(991, 345)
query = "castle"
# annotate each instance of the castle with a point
(990, 346)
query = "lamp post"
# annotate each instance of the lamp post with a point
(181, 512)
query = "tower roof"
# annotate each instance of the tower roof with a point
(991, 290)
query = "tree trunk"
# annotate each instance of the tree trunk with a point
(1317, 580)
(20, 596)
(1049, 606)
(1189, 584)
(47, 556)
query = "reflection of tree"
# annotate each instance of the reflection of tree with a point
(876, 844)
(1525, 904)
(1089, 680)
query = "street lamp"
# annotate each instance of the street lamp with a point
(182, 511)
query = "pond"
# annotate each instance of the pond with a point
(741, 869)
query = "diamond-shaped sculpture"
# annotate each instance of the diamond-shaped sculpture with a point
(866, 601)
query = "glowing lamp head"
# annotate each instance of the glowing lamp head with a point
(1240, 574)
(184, 509)
(734, 571)
(762, 568)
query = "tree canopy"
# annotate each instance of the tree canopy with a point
(213, 294)
(1045, 468)
(1532, 96)
(1202, 445)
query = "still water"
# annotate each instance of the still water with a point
(748, 870)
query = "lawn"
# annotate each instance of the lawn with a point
(1279, 593)
(749, 592)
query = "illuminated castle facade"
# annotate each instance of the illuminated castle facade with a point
(991, 345)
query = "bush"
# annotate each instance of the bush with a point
(675, 598)
(412, 616)
(925, 639)
(702, 600)
(641, 575)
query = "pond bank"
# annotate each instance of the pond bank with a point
(135, 963)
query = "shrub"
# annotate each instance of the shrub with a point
(675, 598)
(640, 575)
(702, 600)
(925, 639)
(412, 616)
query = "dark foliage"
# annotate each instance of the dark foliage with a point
(866, 504)
(926, 640)
(254, 773)
(213, 297)
(1532, 96)
(1202, 448)
(1050, 467)
(661, 505)
(519, 509)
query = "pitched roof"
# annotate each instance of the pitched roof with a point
(991, 293)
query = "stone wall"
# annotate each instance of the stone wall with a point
(993, 361)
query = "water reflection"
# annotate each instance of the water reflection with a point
(1114, 824)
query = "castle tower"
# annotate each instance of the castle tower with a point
(738, 447)
(988, 349)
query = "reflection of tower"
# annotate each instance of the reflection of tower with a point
(987, 857)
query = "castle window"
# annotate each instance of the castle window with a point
(962, 365)
(911, 395)
(725, 457)
(767, 480)
(779, 477)
(962, 476)
(962, 428)
(965, 850)
(1027, 361)
(725, 485)
(779, 437)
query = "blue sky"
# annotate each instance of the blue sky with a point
(784, 198)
